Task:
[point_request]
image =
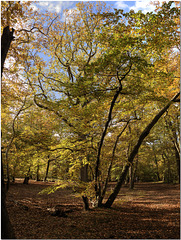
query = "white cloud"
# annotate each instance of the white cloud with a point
(54, 6)
(50, 7)
(43, 3)
(58, 8)
(144, 6)
(121, 5)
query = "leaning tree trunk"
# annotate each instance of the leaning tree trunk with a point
(132, 155)
(6, 227)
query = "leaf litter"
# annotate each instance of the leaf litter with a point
(150, 211)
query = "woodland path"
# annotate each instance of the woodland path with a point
(150, 211)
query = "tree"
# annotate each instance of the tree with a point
(110, 66)
(10, 12)
(7, 230)
(13, 89)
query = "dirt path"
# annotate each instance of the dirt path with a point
(150, 211)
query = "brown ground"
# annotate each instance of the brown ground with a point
(150, 211)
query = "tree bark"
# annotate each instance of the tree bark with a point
(6, 39)
(84, 173)
(48, 165)
(37, 173)
(131, 176)
(132, 155)
(134, 171)
(86, 203)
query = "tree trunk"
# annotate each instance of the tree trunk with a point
(156, 163)
(169, 171)
(26, 180)
(7, 231)
(84, 173)
(177, 158)
(7, 158)
(133, 153)
(48, 165)
(164, 164)
(37, 173)
(84, 178)
(86, 203)
(157, 172)
(27, 177)
(6, 39)
(131, 177)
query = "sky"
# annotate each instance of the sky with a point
(59, 6)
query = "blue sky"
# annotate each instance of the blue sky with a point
(59, 6)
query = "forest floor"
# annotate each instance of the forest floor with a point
(150, 211)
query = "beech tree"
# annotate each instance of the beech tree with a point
(127, 56)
